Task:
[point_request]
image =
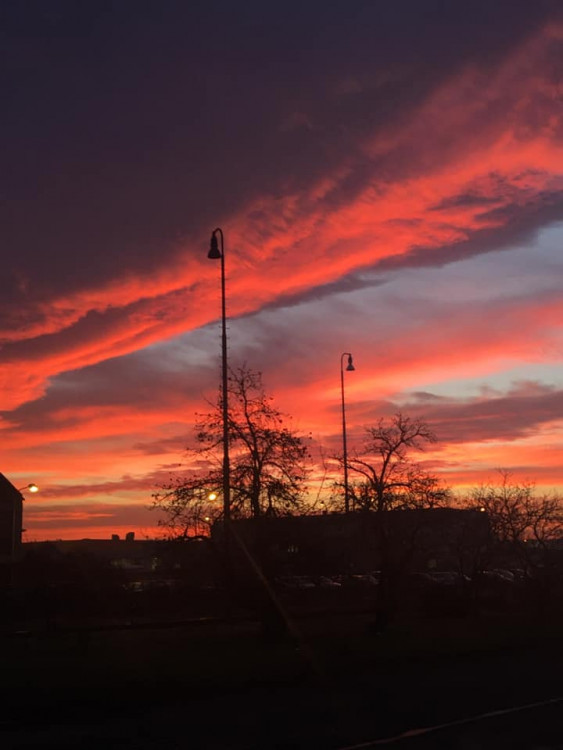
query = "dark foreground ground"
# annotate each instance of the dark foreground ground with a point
(221, 685)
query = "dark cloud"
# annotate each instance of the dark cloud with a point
(149, 482)
(523, 222)
(130, 381)
(463, 200)
(352, 282)
(41, 518)
(491, 416)
(516, 414)
(133, 126)
(176, 444)
(426, 397)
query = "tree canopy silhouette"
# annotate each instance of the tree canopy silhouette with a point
(389, 478)
(523, 523)
(268, 462)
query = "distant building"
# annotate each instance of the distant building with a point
(129, 559)
(10, 522)
(121, 554)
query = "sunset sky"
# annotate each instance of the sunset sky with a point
(389, 179)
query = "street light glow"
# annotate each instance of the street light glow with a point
(29, 487)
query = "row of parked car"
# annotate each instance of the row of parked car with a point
(427, 579)
(307, 582)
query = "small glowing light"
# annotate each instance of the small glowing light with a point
(212, 496)
(29, 488)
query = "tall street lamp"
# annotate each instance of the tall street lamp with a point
(349, 368)
(216, 253)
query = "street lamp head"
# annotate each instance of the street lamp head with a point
(350, 367)
(214, 252)
(29, 487)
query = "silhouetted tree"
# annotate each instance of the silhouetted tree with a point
(523, 528)
(517, 515)
(189, 506)
(267, 462)
(390, 478)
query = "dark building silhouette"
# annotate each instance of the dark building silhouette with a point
(357, 542)
(11, 501)
(140, 561)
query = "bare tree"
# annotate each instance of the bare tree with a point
(523, 526)
(268, 462)
(389, 477)
(519, 518)
(391, 480)
(189, 507)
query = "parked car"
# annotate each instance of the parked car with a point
(295, 583)
(324, 582)
(449, 578)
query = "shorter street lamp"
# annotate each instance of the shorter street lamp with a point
(349, 368)
(29, 487)
(32, 487)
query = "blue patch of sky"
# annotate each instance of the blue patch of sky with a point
(494, 383)
(518, 271)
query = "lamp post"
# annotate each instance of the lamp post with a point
(349, 368)
(216, 253)
(30, 488)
